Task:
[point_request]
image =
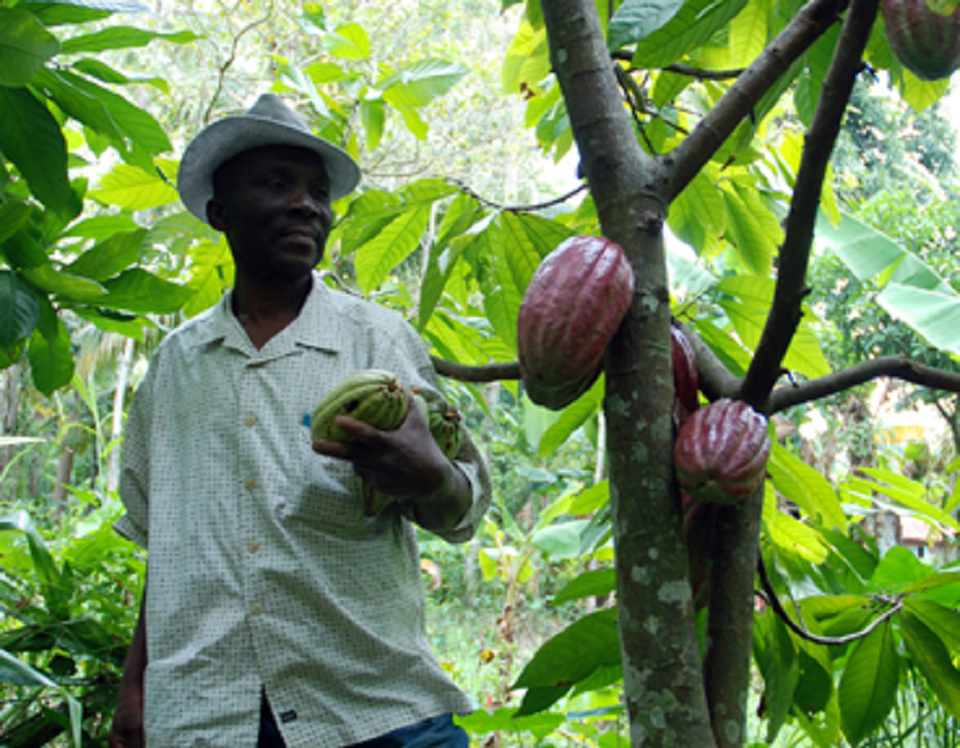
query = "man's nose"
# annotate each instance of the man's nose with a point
(304, 201)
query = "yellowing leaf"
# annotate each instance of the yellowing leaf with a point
(131, 188)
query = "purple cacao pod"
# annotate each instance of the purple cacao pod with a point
(574, 304)
(721, 452)
(926, 42)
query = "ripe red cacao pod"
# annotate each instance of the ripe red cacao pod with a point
(685, 382)
(926, 42)
(574, 304)
(721, 452)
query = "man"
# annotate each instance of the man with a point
(275, 612)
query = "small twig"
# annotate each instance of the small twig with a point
(634, 97)
(800, 629)
(516, 208)
(688, 70)
(228, 63)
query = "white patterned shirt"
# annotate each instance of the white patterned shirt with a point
(263, 571)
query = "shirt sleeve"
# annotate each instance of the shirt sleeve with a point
(135, 465)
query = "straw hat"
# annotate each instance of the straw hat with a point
(268, 122)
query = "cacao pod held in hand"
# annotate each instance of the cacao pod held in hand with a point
(574, 304)
(926, 42)
(721, 452)
(442, 419)
(371, 395)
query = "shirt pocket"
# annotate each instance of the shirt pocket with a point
(328, 497)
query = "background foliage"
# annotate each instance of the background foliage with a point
(459, 125)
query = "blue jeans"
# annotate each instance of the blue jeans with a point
(439, 732)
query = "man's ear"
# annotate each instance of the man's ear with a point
(216, 214)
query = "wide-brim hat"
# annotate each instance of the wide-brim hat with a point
(268, 122)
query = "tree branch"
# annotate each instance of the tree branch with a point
(800, 629)
(692, 154)
(791, 288)
(517, 208)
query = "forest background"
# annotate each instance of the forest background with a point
(471, 177)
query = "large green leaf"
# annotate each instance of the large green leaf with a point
(868, 687)
(418, 85)
(459, 217)
(24, 46)
(754, 295)
(51, 359)
(934, 315)
(932, 658)
(19, 309)
(897, 570)
(392, 245)
(349, 42)
(571, 418)
(776, 657)
(132, 188)
(751, 237)
(568, 658)
(141, 292)
(635, 20)
(870, 254)
(942, 621)
(593, 583)
(890, 489)
(100, 103)
(73, 288)
(106, 259)
(788, 533)
(749, 33)
(805, 487)
(122, 37)
(527, 239)
(31, 138)
(693, 26)
(13, 216)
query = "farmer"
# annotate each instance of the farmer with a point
(275, 612)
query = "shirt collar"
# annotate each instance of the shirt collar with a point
(318, 325)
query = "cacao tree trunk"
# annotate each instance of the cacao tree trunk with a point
(663, 681)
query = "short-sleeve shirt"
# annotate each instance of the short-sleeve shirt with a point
(264, 575)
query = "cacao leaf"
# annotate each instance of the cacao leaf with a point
(931, 657)
(31, 138)
(868, 686)
(25, 44)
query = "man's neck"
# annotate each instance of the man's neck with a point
(264, 310)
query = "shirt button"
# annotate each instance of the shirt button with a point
(250, 483)
(254, 546)
(256, 609)
(250, 421)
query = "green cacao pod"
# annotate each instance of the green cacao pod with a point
(571, 309)
(442, 419)
(446, 430)
(373, 396)
(721, 452)
(926, 42)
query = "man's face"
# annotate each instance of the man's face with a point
(273, 205)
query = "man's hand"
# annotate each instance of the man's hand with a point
(405, 463)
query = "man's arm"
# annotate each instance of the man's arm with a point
(127, 728)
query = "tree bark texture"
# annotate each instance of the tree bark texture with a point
(663, 680)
